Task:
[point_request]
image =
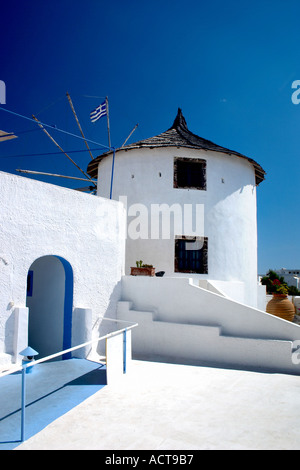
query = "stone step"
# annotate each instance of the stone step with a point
(191, 342)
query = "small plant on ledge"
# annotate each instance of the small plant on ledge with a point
(142, 269)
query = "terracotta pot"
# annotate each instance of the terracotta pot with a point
(142, 271)
(280, 306)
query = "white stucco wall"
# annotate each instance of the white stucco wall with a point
(145, 176)
(39, 219)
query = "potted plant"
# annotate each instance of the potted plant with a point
(280, 305)
(142, 269)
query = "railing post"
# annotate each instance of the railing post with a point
(124, 351)
(29, 352)
(23, 404)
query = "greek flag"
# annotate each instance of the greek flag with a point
(98, 112)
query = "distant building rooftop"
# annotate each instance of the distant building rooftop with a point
(288, 271)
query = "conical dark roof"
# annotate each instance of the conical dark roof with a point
(178, 136)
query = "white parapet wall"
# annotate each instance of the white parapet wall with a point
(182, 322)
(43, 222)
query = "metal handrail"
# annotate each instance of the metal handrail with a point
(32, 363)
(60, 353)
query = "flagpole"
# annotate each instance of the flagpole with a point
(95, 115)
(112, 174)
(108, 127)
(109, 143)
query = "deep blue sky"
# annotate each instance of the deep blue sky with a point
(228, 64)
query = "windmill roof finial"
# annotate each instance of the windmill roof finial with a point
(179, 120)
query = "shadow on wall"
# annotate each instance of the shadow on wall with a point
(9, 331)
(106, 327)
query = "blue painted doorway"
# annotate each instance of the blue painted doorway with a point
(50, 302)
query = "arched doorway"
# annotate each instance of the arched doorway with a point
(50, 303)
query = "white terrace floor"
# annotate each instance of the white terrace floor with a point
(165, 406)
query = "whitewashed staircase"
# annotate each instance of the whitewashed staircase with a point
(203, 339)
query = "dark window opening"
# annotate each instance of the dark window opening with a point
(29, 283)
(191, 255)
(189, 173)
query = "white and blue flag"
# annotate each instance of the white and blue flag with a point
(100, 111)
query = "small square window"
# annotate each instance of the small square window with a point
(191, 255)
(189, 173)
